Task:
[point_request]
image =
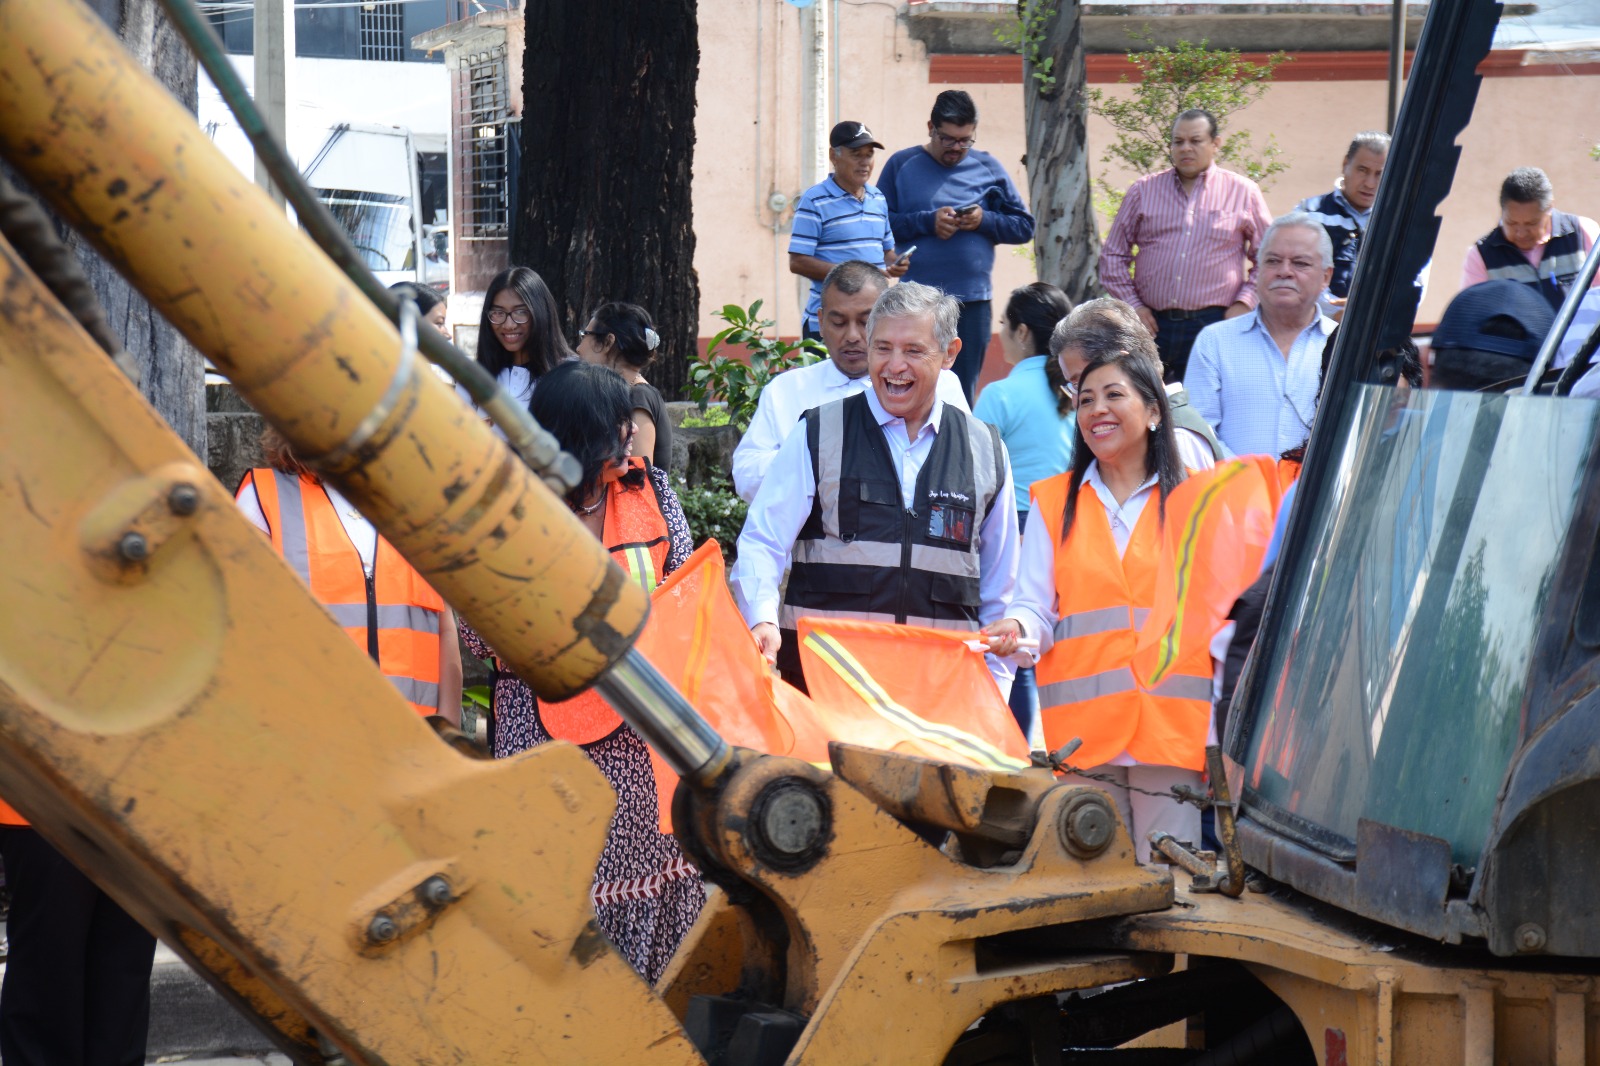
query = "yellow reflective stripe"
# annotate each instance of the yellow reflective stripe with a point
(641, 567)
(1186, 565)
(856, 676)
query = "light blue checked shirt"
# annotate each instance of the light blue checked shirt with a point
(1258, 402)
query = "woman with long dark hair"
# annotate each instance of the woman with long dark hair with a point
(646, 894)
(519, 334)
(1087, 577)
(622, 337)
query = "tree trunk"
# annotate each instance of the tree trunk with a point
(608, 139)
(171, 370)
(1066, 239)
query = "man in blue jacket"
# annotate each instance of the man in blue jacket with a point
(955, 204)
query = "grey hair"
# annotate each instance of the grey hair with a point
(853, 275)
(909, 300)
(1102, 328)
(1371, 140)
(1528, 185)
(1303, 221)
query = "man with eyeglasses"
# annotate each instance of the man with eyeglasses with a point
(1255, 377)
(955, 203)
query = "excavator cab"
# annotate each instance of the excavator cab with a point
(1415, 733)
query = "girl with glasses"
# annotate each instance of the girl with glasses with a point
(519, 335)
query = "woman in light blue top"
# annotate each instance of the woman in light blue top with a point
(1028, 406)
(1033, 413)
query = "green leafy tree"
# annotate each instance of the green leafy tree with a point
(716, 376)
(1173, 80)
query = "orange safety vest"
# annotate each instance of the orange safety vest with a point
(1087, 687)
(306, 531)
(635, 533)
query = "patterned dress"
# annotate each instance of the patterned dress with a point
(646, 893)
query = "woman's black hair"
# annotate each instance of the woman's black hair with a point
(1040, 306)
(546, 345)
(1161, 460)
(629, 326)
(425, 298)
(585, 408)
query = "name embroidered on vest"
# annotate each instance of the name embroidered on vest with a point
(861, 554)
(1558, 266)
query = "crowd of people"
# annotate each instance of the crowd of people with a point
(882, 487)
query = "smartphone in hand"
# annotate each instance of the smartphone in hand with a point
(966, 210)
(905, 256)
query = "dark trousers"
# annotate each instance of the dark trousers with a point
(1176, 336)
(1024, 700)
(809, 334)
(77, 985)
(975, 328)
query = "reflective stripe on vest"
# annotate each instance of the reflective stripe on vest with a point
(1078, 689)
(306, 530)
(856, 676)
(1100, 620)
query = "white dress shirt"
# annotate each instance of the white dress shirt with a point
(1035, 605)
(1259, 402)
(1194, 451)
(790, 395)
(783, 503)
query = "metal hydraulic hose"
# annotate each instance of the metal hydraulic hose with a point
(525, 436)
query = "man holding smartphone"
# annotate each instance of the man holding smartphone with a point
(955, 203)
(843, 217)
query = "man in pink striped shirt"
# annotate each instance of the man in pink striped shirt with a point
(1196, 228)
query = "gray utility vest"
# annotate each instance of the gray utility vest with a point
(1563, 258)
(1185, 417)
(861, 554)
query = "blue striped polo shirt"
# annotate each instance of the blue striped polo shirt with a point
(834, 226)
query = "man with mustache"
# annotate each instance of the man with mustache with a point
(1254, 378)
(842, 217)
(1195, 229)
(895, 505)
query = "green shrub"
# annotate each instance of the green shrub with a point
(715, 376)
(715, 512)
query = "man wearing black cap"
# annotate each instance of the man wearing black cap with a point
(841, 218)
(1489, 336)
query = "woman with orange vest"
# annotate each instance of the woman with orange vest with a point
(1085, 582)
(381, 601)
(646, 895)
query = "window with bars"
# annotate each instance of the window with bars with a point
(383, 32)
(481, 129)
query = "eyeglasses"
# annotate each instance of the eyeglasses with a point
(948, 141)
(498, 316)
(597, 334)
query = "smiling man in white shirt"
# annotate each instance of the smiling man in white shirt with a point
(897, 506)
(848, 293)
